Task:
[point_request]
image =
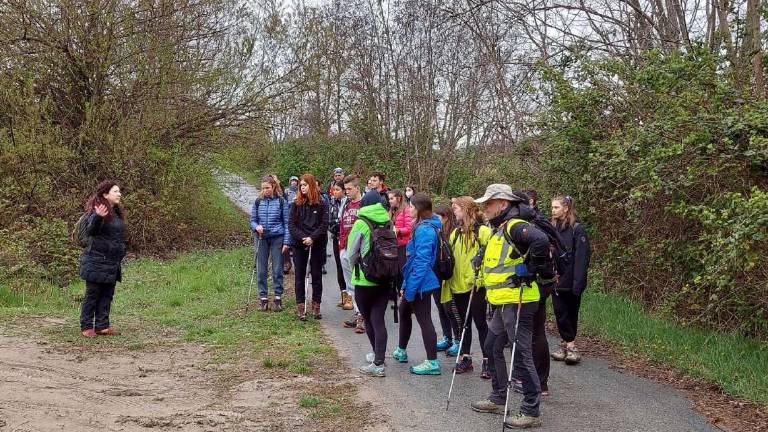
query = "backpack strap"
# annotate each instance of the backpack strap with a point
(506, 227)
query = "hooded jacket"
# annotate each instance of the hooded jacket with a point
(403, 221)
(574, 278)
(100, 261)
(359, 241)
(418, 276)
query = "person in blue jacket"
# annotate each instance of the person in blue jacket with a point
(269, 224)
(419, 280)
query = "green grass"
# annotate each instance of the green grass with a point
(737, 364)
(198, 297)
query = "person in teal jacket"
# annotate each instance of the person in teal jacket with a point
(371, 298)
(419, 280)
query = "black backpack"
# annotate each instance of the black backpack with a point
(380, 265)
(79, 235)
(561, 254)
(444, 261)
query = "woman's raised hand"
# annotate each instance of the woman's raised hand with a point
(102, 210)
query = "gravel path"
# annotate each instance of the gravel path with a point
(587, 397)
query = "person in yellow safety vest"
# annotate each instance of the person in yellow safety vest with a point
(516, 256)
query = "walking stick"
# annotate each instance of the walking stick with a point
(257, 241)
(461, 340)
(512, 360)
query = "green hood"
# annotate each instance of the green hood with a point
(376, 213)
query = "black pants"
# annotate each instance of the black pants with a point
(540, 344)
(503, 327)
(477, 314)
(300, 257)
(445, 320)
(339, 270)
(97, 302)
(372, 302)
(421, 306)
(566, 306)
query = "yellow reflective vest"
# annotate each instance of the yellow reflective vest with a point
(502, 287)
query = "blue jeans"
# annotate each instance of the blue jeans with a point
(265, 247)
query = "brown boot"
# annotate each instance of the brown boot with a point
(341, 300)
(347, 298)
(316, 310)
(302, 312)
(359, 327)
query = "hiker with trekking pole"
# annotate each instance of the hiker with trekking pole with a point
(516, 259)
(269, 224)
(308, 225)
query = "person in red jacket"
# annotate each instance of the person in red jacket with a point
(402, 223)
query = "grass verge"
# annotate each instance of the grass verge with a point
(735, 363)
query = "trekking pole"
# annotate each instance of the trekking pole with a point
(512, 360)
(461, 342)
(308, 272)
(257, 240)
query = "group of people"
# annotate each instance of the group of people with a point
(390, 246)
(504, 267)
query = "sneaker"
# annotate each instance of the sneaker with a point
(522, 421)
(560, 353)
(487, 406)
(400, 355)
(443, 344)
(109, 331)
(359, 325)
(264, 305)
(465, 365)
(372, 370)
(453, 351)
(89, 333)
(278, 304)
(486, 373)
(573, 357)
(428, 367)
(370, 357)
(350, 323)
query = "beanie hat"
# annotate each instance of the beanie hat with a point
(370, 198)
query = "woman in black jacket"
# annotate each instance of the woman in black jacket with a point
(100, 260)
(567, 297)
(308, 224)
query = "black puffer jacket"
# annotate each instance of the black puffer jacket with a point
(308, 221)
(574, 279)
(100, 261)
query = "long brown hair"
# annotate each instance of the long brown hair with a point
(423, 204)
(472, 217)
(447, 214)
(570, 211)
(397, 193)
(97, 198)
(313, 193)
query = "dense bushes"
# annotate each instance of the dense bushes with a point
(670, 162)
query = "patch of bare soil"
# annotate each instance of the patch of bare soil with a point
(169, 386)
(720, 409)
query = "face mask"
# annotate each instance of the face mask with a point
(409, 193)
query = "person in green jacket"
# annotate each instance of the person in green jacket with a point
(370, 297)
(469, 237)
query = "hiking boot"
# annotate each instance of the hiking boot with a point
(264, 305)
(350, 323)
(522, 421)
(453, 351)
(287, 268)
(278, 304)
(465, 365)
(573, 357)
(359, 326)
(486, 373)
(443, 344)
(316, 310)
(302, 313)
(428, 367)
(347, 298)
(400, 355)
(560, 353)
(518, 387)
(109, 331)
(89, 333)
(486, 406)
(372, 370)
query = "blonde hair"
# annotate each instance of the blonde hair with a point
(472, 217)
(570, 211)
